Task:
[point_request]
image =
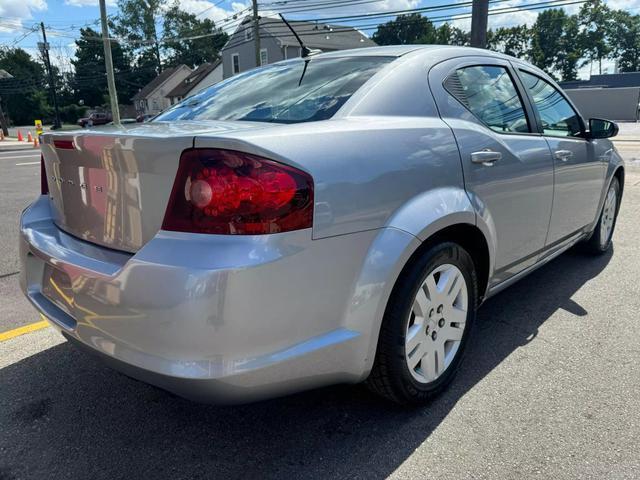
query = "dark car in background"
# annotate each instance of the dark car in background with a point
(96, 118)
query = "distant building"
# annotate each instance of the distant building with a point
(614, 96)
(152, 98)
(204, 76)
(278, 43)
(614, 80)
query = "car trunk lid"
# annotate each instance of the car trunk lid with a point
(110, 186)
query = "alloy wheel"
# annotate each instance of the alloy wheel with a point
(608, 215)
(436, 323)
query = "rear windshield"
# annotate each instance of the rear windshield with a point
(288, 92)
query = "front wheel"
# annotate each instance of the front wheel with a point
(426, 326)
(600, 240)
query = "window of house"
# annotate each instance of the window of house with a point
(490, 94)
(248, 32)
(235, 63)
(558, 118)
(264, 57)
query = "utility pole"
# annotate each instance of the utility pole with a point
(479, 18)
(108, 64)
(52, 86)
(256, 31)
(3, 121)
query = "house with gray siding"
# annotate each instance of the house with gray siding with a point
(278, 43)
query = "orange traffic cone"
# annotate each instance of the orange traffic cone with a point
(20, 136)
(35, 142)
(29, 137)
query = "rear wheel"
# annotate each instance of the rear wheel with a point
(600, 240)
(426, 326)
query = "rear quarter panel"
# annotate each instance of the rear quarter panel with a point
(365, 169)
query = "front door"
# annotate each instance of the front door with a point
(579, 172)
(508, 170)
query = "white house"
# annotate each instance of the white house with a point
(202, 77)
(152, 98)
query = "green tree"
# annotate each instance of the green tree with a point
(136, 23)
(514, 41)
(459, 37)
(570, 52)
(625, 40)
(405, 29)
(24, 96)
(89, 82)
(546, 38)
(443, 34)
(595, 19)
(194, 51)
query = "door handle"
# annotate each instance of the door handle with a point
(563, 155)
(486, 157)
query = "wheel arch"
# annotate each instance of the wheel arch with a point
(619, 174)
(468, 235)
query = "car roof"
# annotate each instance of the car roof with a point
(401, 50)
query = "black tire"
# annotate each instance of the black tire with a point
(390, 376)
(596, 244)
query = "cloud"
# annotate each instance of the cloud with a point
(221, 16)
(88, 3)
(14, 12)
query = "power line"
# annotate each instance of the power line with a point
(309, 31)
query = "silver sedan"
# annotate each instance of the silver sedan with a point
(332, 219)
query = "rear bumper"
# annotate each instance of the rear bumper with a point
(213, 318)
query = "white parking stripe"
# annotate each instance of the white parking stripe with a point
(28, 163)
(14, 157)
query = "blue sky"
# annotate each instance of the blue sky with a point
(63, 18)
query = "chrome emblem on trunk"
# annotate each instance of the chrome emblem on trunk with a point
(83, 186)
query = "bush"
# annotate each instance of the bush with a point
(71, 113)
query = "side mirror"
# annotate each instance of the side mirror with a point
(599, 128)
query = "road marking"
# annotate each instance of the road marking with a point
(27, 163)
(16, 332)
(18, 157)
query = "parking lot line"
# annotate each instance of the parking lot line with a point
(28, 163)
(14, 157)
(16, 332)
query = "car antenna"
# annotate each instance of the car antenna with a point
(305, 51)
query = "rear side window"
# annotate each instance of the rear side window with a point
(558, 118)
(288, 92)
(490, 94)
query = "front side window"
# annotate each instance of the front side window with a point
(287, 92)
(558, 118)
(489, 93)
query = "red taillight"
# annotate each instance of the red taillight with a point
(228, 192)
(44, 184)
(64, 144)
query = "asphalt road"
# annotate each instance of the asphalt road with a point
(19, 186)
(550, 389)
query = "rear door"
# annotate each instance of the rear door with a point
(508, 170)
(579, 172)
